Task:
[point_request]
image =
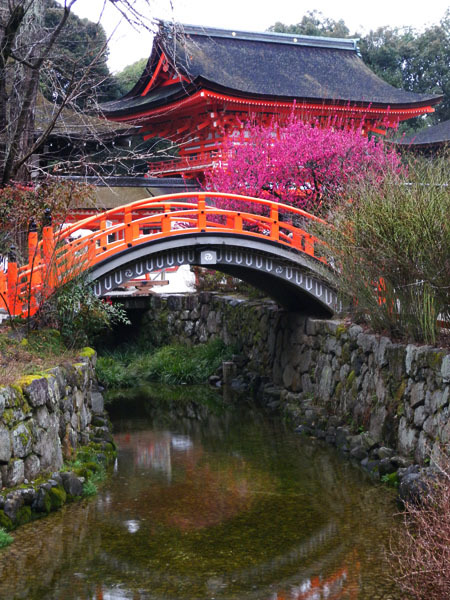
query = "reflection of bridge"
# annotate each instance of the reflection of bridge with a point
(262, 242)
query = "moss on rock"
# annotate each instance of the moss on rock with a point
(57, 496)
(5, 521)
(23, 516)
(350, 379)
(88, 352)
(400, 390)
(340, 330)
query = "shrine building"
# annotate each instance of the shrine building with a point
(201, 84)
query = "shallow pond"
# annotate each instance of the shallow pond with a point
(210, 500)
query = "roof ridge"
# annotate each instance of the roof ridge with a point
(267, 36)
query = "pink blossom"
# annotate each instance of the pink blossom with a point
(307, 165)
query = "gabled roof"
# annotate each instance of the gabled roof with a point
(266, 65)
(436, 135)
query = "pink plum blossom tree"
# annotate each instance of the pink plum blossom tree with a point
(303, 164)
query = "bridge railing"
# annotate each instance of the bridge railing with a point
(57, 258)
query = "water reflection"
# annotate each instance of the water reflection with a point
(210, 504)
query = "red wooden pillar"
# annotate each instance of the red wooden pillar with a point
(201, 212)
(128, 233)
(166, 225)
(91, 252)
(274, 224)
(33, 265)
(48, 251)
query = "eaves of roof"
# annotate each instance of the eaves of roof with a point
(263, 65)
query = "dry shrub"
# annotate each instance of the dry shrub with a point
(421, 553)
(391, 248)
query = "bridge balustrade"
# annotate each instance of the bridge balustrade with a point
(58, 257)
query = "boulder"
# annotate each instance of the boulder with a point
(413, 488)
(407, 437)
(5, 444)
(358, 453)
(48, 445)
(37, 392)
(14, 502)
(72, 484)
(21, 441)
(15, 473)
(384, 452)
(32, 467)
(41, 502)
(445, 369)
(97, 403)
(386, 467)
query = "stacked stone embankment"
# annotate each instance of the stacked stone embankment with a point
(386, 404)
(44, 419)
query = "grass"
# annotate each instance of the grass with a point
(30, 355)
(172, 364)
(5, 538)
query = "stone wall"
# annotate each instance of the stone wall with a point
(43, 419)
(360, 391)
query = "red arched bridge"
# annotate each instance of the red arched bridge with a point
(262, 242)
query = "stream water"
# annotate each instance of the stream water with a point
(210, 500)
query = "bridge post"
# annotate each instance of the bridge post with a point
(274, 225)
(201, 212)
(33, 264)
(32, 242)
(127, 218)
(91, 252)
(48, 250)
(103, 238)
(165, 219)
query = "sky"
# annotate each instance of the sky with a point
(128, 44)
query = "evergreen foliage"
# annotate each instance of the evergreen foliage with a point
(80, 43)
(405, 58)
(129, 76)
(314, 23)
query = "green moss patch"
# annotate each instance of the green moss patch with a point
(88, 352)
(391, 479)
(23, 515)
(57, 496)
(5, 521)
(350, 379)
